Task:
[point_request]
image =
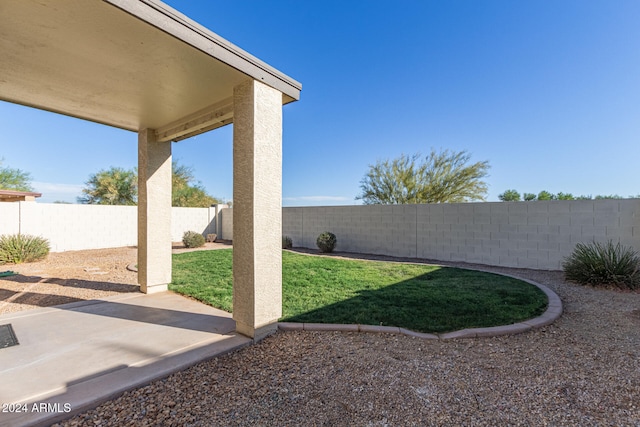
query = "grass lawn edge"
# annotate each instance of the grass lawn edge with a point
(552, 313)
(546, 313)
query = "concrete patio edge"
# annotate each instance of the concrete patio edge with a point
(80, 395)
(89, 394)
(551, 314)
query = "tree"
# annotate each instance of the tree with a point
(392, 182)
(444, 177)
(565, 196)
(509, 196)
(545, 195)
(608, 196)
(187, 192)
(116, 186)
(14, 179)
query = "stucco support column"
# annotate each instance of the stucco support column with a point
(257, 209)
(154, 213)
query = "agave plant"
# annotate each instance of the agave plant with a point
(19, 248)
(603, 264)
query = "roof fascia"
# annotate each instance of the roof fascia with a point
(174, 23)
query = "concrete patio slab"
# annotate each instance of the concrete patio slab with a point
(73, 356)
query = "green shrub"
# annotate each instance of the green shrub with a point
(287, 243)
(192, 239)
(603, 264)
(326, 241)
(18, 248)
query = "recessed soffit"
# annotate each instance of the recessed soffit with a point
(129, 64)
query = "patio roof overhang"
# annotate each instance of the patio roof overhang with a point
(18, 196)
(142, 66)
(148, 68)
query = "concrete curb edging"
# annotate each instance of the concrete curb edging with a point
(552, 313)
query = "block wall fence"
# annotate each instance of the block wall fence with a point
(535, 235)
(74, 227)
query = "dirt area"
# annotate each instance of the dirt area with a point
(584, 369)
(65, 277)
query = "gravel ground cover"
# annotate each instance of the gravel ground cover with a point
(72, 276)
(65, 277)
(583, 370)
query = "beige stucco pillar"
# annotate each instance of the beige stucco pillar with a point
(257, 209)
(154, 213)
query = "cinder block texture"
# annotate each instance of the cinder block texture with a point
(190, 219)
(226, 224)
(514, 234)
(70, 227)
(408, 231)
(10, 217)
(77, 227)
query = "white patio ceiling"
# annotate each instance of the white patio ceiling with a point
(132, 64)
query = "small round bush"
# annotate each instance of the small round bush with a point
(603, 264)
(287, 243)
(192, 239)
(19, 248)
(326, 242)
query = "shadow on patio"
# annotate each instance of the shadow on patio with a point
(85, 352)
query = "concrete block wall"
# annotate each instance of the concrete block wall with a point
(9, 218)
(75, 227)
(513, 234)
(226, 224)
(536, 235)
(368, 229)
(201, 220)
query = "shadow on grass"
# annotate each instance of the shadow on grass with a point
(443, 300)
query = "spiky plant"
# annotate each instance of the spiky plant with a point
(603, 264)
(19, 248)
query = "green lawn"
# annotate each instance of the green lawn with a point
(422, 298)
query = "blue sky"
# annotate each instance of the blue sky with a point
(547, 91)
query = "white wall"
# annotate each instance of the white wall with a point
(9, 218)
(514, 234)
(191, 219)
(74, 227)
